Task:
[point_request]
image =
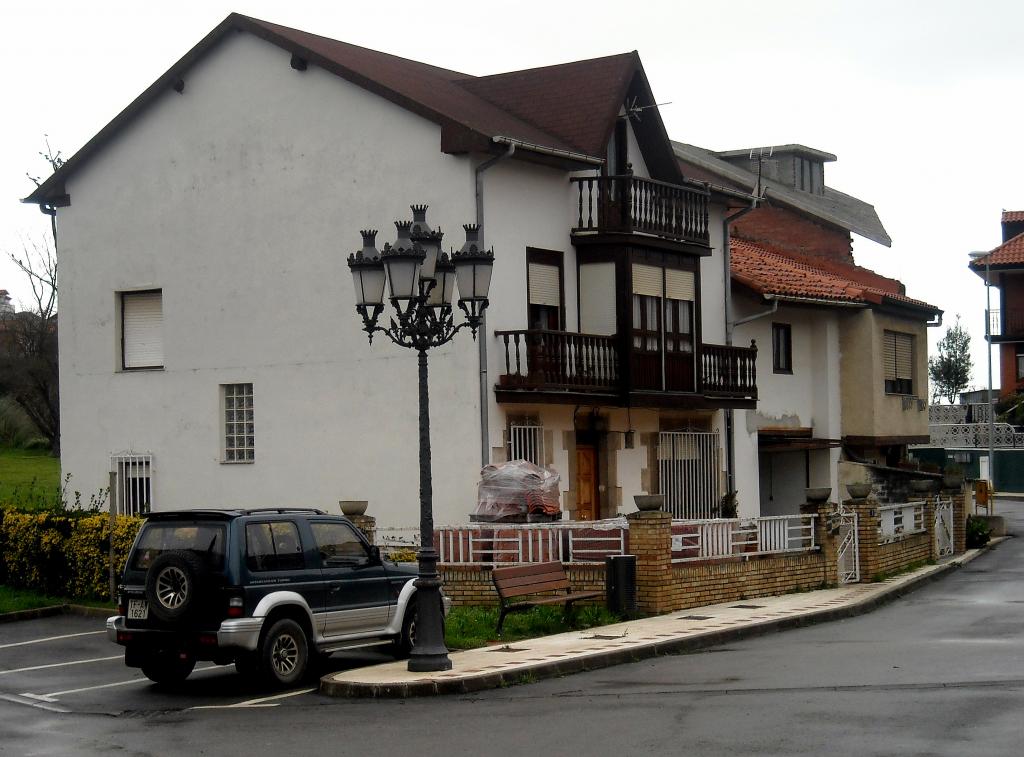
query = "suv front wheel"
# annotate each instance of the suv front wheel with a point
(285, 653)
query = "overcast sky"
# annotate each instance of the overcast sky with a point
(919, 100)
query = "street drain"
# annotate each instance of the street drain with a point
(508, 648)
(748, 607)
(695, 617)
(605, 637)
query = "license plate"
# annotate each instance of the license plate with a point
(138, 609)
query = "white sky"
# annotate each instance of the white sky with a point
(920, 100)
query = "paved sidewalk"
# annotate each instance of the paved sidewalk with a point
(681, 631)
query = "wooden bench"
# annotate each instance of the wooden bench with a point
(536, 578)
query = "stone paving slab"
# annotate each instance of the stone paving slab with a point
(680, 631)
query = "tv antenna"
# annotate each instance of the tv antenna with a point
(634, 108)
(761, 154)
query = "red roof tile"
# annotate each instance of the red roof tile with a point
(1010, 252)
(1013, 216)
(771, 271)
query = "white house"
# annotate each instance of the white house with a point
(210, 352)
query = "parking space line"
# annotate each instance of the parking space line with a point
(52, 697)
(39, 705)
(261, 702)
(60, 664)
(50, 638)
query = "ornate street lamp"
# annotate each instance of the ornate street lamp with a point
(421, 281)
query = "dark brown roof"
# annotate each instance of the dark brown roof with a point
(569, 107)
(775, 272)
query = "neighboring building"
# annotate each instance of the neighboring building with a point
(212, 355)
(1005, 265)
(843, 363)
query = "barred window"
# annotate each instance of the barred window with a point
(526, 442)
(133, 491)
(239, 426)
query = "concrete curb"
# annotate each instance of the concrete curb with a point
(528, 674)
(48, 612)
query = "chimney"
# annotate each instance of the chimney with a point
(796, 166)
(1013, 224)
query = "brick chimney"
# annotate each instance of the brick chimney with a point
(1013, 224)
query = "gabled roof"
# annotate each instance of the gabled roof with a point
(833, 206)
(566, 110)
(1009, 254)
(785, 274)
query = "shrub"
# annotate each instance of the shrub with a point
(62, 553)
(978, 532)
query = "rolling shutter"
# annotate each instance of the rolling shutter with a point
(545, 285)
(679, 285)
(142, 320)
(904, 356)
(647, 280)
(889, 355)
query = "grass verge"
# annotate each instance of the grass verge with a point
(14, 600)
(28, 478)
(472, 627)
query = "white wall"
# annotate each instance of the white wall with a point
(240, 199)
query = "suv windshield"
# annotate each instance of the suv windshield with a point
(204, 539)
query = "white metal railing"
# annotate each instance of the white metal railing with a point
(134, 482)
(975, 412)
(900, 519)
(526, 443)
(568, 542)
(974, 435)
(705, 539)
(689, 472)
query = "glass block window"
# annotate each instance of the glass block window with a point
(239, 427)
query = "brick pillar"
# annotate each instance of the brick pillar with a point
(959, 523)
(867, 535)
(824, 538)
(367, 524)
(650, 539)
(929, 526)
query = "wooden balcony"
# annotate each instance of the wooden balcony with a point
(561, 366)
(1007, 325)
(631, 205)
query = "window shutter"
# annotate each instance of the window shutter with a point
(142, 321)
(545, 285)
(904, 344)
(647, 280)
(889, 355)
(679, 285)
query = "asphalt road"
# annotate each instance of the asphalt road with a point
(939, 672)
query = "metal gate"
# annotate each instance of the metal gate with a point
(943, 527)
(844, 523)
(689, 473)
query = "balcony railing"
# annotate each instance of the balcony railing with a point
(1008, 322)
(565, 361)
(540, 359)
(630, 204)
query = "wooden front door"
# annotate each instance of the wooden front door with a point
(587, 506)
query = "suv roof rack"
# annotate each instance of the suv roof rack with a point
(253, 511)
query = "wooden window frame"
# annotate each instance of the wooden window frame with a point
(782, 360)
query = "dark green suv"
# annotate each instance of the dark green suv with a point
(265, 589)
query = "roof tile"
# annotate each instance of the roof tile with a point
(1010, 252)
(1013, 216)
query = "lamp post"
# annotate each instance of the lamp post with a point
(988, 351)
(421, 281)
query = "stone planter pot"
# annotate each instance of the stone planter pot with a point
(953, 481)
(353, 506)
(922, 485)
(858, 491)
(818, 494)
(649, 502)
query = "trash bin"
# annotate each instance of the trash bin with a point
(620, 584)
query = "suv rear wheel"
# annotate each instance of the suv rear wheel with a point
(168, 667)
(284, 653)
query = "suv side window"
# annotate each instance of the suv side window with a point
(273, 546)
(338, 542)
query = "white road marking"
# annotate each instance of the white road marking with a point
(39, 705)
(261, 702)
(52, 697)
(50, 638)
(60, 664)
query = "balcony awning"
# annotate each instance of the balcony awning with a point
(792, 440)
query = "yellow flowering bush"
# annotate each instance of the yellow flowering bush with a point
(62, 553)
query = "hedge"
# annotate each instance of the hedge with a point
(62, 553)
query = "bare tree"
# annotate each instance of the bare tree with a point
(28, 339)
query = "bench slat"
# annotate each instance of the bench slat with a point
(522, 591)
(528, 570)
(528, 580)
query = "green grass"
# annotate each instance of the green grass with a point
(13, 600)
(471, 627)
(28, 478)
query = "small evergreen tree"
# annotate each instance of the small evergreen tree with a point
(950, 370)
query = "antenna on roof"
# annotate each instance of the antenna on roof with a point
(634, 109)
(761, 154)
